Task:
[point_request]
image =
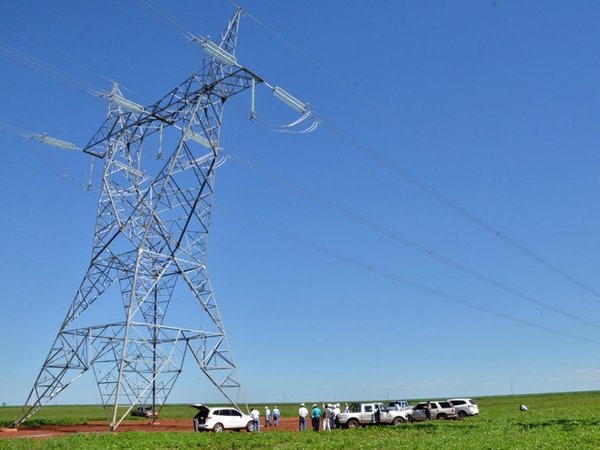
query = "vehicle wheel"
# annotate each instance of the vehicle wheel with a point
(462, 414)
(398, 421)
(218, 427)
(250, 427)
(441, 416)
(352, 424)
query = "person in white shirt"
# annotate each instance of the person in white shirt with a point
(276, 415)
(302, 415)
(255, 419)
(267, 417)
(327, 415)
(336, 413)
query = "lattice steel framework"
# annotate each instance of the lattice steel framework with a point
(149, 249)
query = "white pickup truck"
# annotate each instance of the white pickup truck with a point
(371, 414)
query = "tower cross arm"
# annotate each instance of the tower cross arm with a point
(172, 107)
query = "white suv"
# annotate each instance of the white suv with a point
(440, 410)
(465, 407)
(221, 418)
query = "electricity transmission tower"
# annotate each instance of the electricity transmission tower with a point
(149, 248)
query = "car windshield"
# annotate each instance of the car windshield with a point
(355, 407)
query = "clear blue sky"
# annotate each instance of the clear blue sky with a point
(495, 104)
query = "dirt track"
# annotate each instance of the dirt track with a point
(176, 425)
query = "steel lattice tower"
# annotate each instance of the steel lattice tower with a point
(149, 249)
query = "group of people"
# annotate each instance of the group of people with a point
(255, 415)
(326, 417)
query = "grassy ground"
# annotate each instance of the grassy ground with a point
(570, 420)
(80, 414)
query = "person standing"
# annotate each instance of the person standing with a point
(336, 413)
(327, 413)
(428, 411)
(302, 415)
(276, 416)
(255, 415)
(346, 408)
(267, 417)
(197, 418)
(315, 415)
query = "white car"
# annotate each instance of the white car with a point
(440, 410)
(465, 407)
(221, 418)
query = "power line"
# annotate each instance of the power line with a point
(403, 240)
(317, 63)
(47, 69)
(48, 162)
(461, 210)
(169, 19)
(421, 184)
(382, 273)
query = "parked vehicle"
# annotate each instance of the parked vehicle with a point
(399, 405)
(144, 411)
(440, 410)
(222, 418)
(361, 414)
(465, 407)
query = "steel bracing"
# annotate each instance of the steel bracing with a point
(149, 250)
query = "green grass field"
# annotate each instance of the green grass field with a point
(567, 420)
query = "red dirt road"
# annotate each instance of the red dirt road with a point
(176, 425)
